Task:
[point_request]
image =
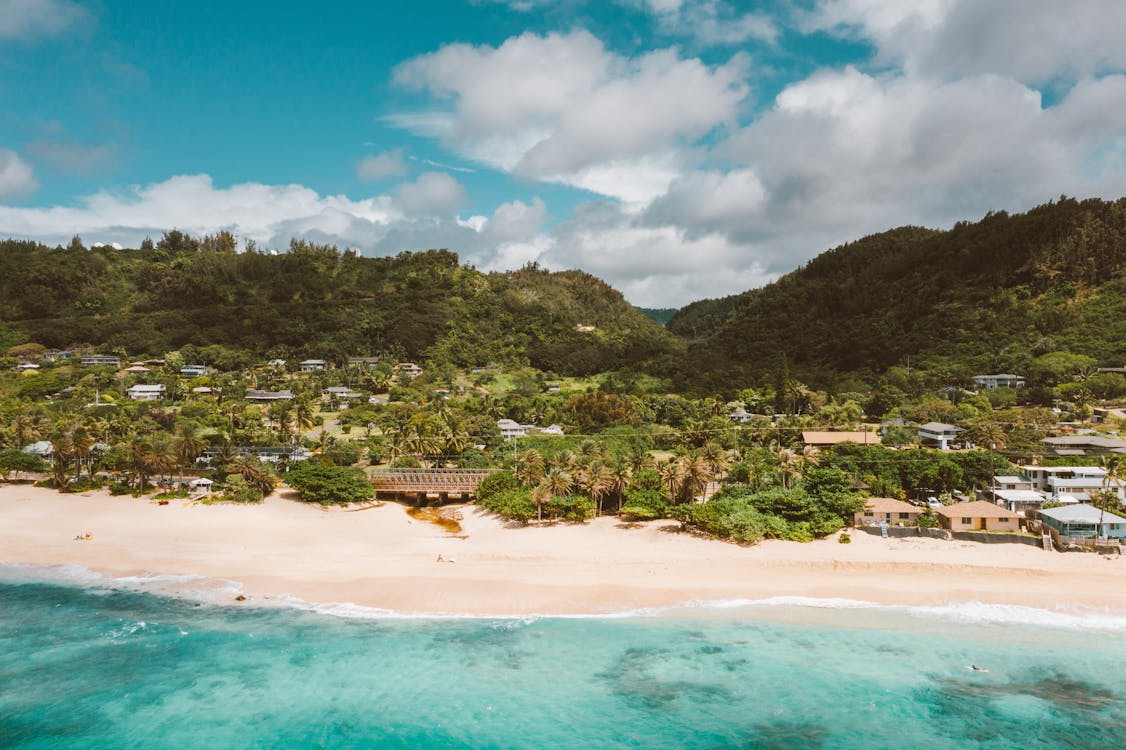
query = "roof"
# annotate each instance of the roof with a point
(1081, 513)
(1077, 441)
(1011, 480)
(1000, 375)
(147, 388)
(890, 505)
(836, 437)
(940, 427)
(1020, 496)
(976, 509)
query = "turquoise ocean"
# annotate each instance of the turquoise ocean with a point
(118, 664)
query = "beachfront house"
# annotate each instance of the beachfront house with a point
(830, 439)
(1084, 520)
(1082, 482)
(1021, 502)
(193, 371)
(1085, 445)
(145, 392)
(887, 510)
(992, 382)
(977, 516)
(938, 435)
(312, 365)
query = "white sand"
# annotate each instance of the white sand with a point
(380, 557)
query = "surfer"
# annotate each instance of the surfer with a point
(976, 668)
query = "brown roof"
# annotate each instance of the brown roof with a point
(890, 505)
(834, 438)
(976, 509)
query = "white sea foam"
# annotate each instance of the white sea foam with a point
(222, 591)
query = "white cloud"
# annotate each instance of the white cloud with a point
(711, 22)
(29, 20)
(16, 177)
(380, 166)
(1030, 40)
(432, 194)
(562, 108)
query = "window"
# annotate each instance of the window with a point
(904, 516)
(967, 521)
(1003, 519)
(869, 514)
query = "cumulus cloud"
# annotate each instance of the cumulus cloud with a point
(381, 166)
(1030, 40)
(30, 20)
(562, 108)
(711, 22)
(432, 194)
(16, 177)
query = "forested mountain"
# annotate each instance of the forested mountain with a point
(987, 296)
(315, 301)
(659, 315)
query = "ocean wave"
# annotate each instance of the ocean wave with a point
(221, 591)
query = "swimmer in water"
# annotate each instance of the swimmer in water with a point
(976, 668)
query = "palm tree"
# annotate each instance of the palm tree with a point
(597, 479)
(788, 466)
(62, 454)
(256, 474)
(671, 472)
(564, 460)
(304, 413)
(555, 483)
(697, 474)
(620, 474)
(26, 429)
(187, 444)
(530, 467)
(715, 457)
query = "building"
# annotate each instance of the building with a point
(938, 435)
(740, 415)
(268, 396)
(1084, 521)
(145, 392)
(264, 453)
(1084, 445)
(1081, 482)
(193, 371)
(1012, 483)
(276, 363)
(312, 365)
(136, 369)
(977, 516)
(364, 361)
(97, 360)
(991, 382)
(27, 367)
(510, 429)
(887, 510)
(340, 393)
(1021, 502)
(410, 369)
(829, 439)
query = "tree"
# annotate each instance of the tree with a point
(321, 483)
(256, 474)
(530, 467)
(187, 444)
(15, 460)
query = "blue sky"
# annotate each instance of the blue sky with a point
(678, 148)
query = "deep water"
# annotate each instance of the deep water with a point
(105, 668)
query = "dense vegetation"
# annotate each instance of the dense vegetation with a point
(316, 302)
(990, 296)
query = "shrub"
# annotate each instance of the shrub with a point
(318, 482)
(844, 539)
(570, 507)
(237, 490)
(513, 503)
(343, 453)
(644, 505)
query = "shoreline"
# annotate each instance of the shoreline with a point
(384, 563)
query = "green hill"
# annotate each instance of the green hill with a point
(659, 315)
(315, 301)
(992, 295)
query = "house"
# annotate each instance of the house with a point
(1012, 483)
(364, 361)
(583, 328)
(276, 363)
(312, 365)
(552, 429)
(977, 516)
(1085, 445)
(740, 416)
(881, 510)
(938, 435)
(201, 390)
(1021, 502)
(264, 453)
(1077, 481)
(96, 360)
(510, 429)
(1084, 521)
(201, 485)
(27, 367)
(340, 393)
(268, 396)
(992, 382)
(145, 392)
(137, 369)
(410, 369)
(43, 448)
(193, 371)
(829, 439)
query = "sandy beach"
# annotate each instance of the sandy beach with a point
(381, 557)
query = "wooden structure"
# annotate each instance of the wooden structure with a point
(424, 486)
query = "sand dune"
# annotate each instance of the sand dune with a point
(380, 557)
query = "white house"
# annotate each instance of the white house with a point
(1005, 380)
(193, 371)
(264, 396)
(1077, 481)
(312, 365)
(27, 367)
(938, 435)
(510, 429)
(145, 392)
(94, 360)
(410, 369)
